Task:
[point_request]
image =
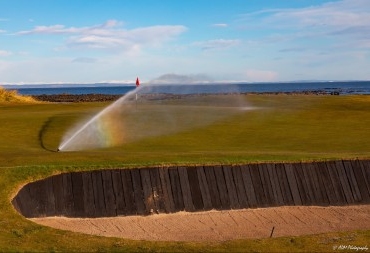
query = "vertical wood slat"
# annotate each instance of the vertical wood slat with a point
(67, 195)
(275, 185)
(78, 194)
(257, 184)
(284, 185)
(147, 191)
(328, 183)
(360, 178)
(365, 169)
(50, 200)
(213, 189)
(301, 184)
(138, 192)
(57, 182)
(128, 192)
(185, 189)
(344, 182)
(204, 188)
(118, 193)
(352, 181)
(158, 194)
(25, 202)
(230, 186)
(338, 189)
(293, 184)
(222, 189)
(321, 185)
(266, 184)
(176, 189)
(249, 188)
(307, 179)
(240, 188)
(97, 181)
(167, 190)
(196, 194)
(88, 195)
(315, 185)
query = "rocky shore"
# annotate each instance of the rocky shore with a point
(79, 98)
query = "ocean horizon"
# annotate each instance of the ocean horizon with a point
(338, 87)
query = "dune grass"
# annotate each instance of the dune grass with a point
(284, 128)
(12, 96)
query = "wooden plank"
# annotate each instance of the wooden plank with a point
(118, 193)
(185, 189)
(352, 181)
(307, 181)
(284, 185)
(176, 189)
(266, 184)
(97, 182)
(222, 189)
(301, 184)
(204, 188)
(25, 203)
(249, 188)
(361, 182)
(167, 190)
(147, 190)
(365, 168)
(129, 193)
(157, 190)
(293, 185)
(67, 195)
(78, 194)
(275, 185)
(320, 183)
(212, 186)
(314, 181)
(231, 188)
(239, 186)
(110, 199)
(257, 184)
(57, 182)
(338, 189)
(50, 200)
(88, 196)
(138, 192)
(196, 194)
(328, 184)
(344, 182)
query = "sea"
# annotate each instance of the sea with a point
(332, 87)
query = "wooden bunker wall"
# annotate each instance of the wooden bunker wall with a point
(115, 192)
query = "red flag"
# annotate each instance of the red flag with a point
(137, 82)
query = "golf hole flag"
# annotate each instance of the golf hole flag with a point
(137, 82)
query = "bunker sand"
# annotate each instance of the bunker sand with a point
(221, 225)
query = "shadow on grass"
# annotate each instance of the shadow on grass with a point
(44, 128)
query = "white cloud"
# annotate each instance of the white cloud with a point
(216, 44)
(111, 35)
(5, 53)
(221, 25)
(255, 75)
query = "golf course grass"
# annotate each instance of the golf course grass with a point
(280, 128)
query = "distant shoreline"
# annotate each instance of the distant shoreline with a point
(80, 98)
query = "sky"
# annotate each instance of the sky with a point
(63, 41)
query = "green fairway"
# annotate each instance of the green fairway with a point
(183, 131)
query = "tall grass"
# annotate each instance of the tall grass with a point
(12, 96)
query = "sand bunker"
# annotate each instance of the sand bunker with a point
(221, 225)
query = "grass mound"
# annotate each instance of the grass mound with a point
(12, 96)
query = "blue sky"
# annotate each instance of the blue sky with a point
(211, 40)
